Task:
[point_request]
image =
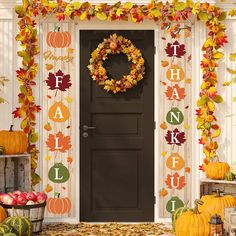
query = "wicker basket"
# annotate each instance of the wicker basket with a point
(35, 213)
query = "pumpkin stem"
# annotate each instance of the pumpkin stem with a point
(58, 29)
(218, 192)
(186, 204)
(196, 203)
(11, 128)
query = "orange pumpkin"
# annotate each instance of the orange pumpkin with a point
(14, 142)
(59, 112)
(175, 162)
(59, 206)
(216, 170)
(175, 73)
(3, 214)
(58, 39)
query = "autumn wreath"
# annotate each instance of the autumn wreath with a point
(116, 45)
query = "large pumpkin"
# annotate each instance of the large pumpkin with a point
(59, 206)
(58, 39)
(216, 170)
(3, 214)
(4, 229)
(215, 204)
(20, 225)
(14, 142)
(193, 223)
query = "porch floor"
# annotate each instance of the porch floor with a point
(111, 229)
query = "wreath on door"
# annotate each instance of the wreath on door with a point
(116, 45)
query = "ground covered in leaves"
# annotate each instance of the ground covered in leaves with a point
(112, 229)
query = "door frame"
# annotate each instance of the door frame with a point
(199, 36)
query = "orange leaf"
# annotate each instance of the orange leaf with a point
(187, 169)
(175, 93)
(175, 181)
(59, 142)
(69, 160)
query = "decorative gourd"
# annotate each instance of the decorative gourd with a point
(3, 214)
(216, 170)
(14, 142)
(179, 212)
(59, 112)
(193, 223)
(2, 150)
(4, 228)
(215, 204)
(20, 225)
(59, 206)
(58, 39)
(229, 176)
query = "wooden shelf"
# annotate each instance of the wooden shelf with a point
(16, 155)
(217, 181)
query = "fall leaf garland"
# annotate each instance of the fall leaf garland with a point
(116, 45)
(160, 12)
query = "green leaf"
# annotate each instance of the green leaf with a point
(24, 123)
(35, 179)
(76, 5)
(128, 5)
(202, 101)
(203, 16)
(19, 10)
(218, 99)
(101, 16)
(156, 12)
(222, 16)
(180, 6)
(34, 137)
(23, 90)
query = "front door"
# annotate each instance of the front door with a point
(117, 153)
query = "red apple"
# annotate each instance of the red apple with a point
(21, 200)
(41, 197)
(17, 192)
(6, 199)
(15, 197)
(31, 196)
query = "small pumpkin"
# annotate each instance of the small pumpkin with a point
(215, 204)
(3, 214)
(14, 142)
(59, 206)
(59, 112)
(58, 39)
(4, 229)
(229, 176)
(175, 73)
(175, 162)
(216, 170)
(178, 213)
(193, 223)
(20, 225)
(163, 192)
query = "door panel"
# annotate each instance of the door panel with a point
(117, 158)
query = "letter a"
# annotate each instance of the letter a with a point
(58, 113)
(176, 94)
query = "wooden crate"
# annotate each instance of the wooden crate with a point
(208, 186)
(15, 173)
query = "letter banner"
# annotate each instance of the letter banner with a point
(175, 118)
(57, 63)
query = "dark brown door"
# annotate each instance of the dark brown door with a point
(117, 156)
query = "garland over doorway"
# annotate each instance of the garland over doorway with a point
(165, 14)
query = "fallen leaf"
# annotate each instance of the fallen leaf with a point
(70, 50)
(49, 66)
(163, 154)
(48, 188)
(69, 99)
(186, 107)
(187, 169)
(69, 160)
(234, 99)
(47, 158)
(186, 126)
(188, 81)
(49, 97)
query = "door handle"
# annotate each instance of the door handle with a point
(85, 127)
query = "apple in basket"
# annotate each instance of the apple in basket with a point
(41, 197)
(31, 196)
(21, 199)
(8, 200)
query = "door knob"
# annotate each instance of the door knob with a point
(85, 127)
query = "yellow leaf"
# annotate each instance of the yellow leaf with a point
(101, 15)
(217, 133)
(227, 83)
(70, 50)
(83, 15)
(163, 154)
(232, 57)
(188, 81)
(231, 71)
(186, 126)
(218, 55)
(211, 106)
(128, 5)
(234, 99)
(47, 158)
(69, 99)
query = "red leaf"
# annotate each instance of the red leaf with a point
(175, 49)
(175, 137)
(175, 181)
(59, 142)
(58, 81)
